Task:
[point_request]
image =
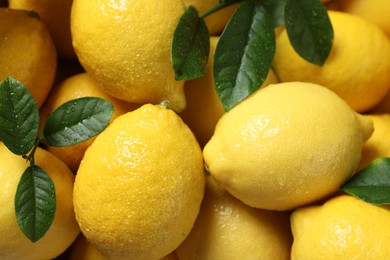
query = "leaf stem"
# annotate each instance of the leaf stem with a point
(218, 7)
(30, 157)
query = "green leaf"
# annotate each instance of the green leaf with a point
(276, 9)
(77, 120)
(244, 53)
(372, 184)
(309, 29)
(35, 203)
(190, 46)
(19, 116)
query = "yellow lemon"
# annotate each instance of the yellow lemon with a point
(226, 228)
(125, 46)
(203, 105)
(77, 86)
(342, 228)
(375, 11)
(56, 16)
(357, 68)
(287, 145)
(140, 184)
(378, 144)
(64, 230)
(27, 52)
(217, 21)
(83, 250)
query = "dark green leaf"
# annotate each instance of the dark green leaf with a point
(309, 29)
(77, 120)
(19, 116)
(372, 184)
(276, 9)
(35, 203)
(244, 53)
(190, 46)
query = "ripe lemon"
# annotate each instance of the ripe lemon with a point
(83, 250)
(27, 52)
(226, 228)
(378, 145)
(287, 145)
(375, 11)
(56, 16)
(125, 47)
(203, 105)
(77, 86)
(342, 228)
(357, 68)
(140, 184)
(217, 21)
(64, 230)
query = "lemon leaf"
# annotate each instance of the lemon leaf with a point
(244, 53)
(19, 116)
(276, 9)
(190, 46)
(372, 184)
(35, 203)
(309, 29)
(77, 120)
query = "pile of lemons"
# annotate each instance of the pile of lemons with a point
(174, 176)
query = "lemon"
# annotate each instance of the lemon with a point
(27, 52)
(375, 11)
(140, 184)
(56, 16)
(203, 105)
(226, 228)
(357, 68)
(77, 86)
(217, 21)
(125, 47)
(83, 250)
(64, 230)
(342, 228)
(378, 144)
(287, 145)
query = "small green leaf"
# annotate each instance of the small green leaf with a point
(19, 116)
(372, 184)
(190, 46)
(35, 203)
(244, 53)
(77, 120)
(309, 29)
